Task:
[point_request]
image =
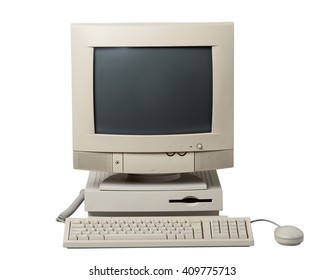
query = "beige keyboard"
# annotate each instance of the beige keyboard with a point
(157, 231)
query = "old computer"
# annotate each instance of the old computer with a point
(153, 119)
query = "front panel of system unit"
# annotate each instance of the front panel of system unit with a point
(132, 199)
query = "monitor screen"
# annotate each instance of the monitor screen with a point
(152, 90)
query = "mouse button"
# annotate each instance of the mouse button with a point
(288, 232)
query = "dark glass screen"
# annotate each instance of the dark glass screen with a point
(153, 90)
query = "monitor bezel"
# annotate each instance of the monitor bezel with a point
(218, 36)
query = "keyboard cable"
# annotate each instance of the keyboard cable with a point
(72, 208)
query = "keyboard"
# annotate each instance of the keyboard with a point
(157, 231)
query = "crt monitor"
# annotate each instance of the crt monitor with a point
(152, 98)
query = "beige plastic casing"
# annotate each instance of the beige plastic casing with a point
(134, 202)
(147, 154)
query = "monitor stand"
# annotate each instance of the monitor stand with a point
(135, 202)
(145, 182)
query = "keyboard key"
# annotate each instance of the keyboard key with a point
(82, 237)
(96, 237)
(135, 236)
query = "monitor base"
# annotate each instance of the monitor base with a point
(155, 182)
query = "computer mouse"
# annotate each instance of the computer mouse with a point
(288, 235)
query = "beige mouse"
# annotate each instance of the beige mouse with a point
(288, 235)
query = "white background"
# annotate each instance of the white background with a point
(279, 136)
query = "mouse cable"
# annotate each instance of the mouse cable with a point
(72, 208)
(265, 220)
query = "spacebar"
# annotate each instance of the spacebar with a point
(135, 236)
